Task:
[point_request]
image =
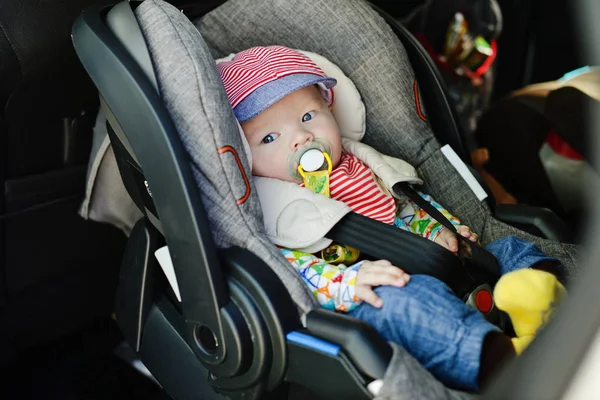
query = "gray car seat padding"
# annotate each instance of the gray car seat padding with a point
(191, 89)
(406, 379)
(374, 59)
(357, 39)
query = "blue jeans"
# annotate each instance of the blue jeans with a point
(436, 327)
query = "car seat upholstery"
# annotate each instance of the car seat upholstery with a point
(192, 110)
(541, 222)
(369, 45)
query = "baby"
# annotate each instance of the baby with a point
(283, 102)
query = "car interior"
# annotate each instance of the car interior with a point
(88, 313)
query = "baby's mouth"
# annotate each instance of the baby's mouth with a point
(294, 158)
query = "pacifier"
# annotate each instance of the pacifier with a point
(314, 168)
(340, 254)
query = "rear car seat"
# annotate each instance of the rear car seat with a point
(58, 272)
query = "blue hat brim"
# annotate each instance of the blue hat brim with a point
(271, 92)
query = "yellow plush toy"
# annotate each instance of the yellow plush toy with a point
(529, 297)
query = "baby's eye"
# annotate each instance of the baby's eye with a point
(308, 116)
(270, 138)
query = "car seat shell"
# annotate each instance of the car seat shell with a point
(185, 225)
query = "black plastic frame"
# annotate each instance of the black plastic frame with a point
(543, 219)
(369, 352)
(152, 135)
(135, 292)
(341, 381)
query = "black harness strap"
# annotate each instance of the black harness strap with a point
(413, 253)
(477, 258)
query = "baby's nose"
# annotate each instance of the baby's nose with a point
(302, 139)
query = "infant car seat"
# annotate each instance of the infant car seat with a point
(246, 325)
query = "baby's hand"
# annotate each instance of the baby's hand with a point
(448, 239)
(465, 231)
(377, 273)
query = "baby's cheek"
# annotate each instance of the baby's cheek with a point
(280, 165)
(266, 165)
(257, 163)
(336, 157)
(260, 168)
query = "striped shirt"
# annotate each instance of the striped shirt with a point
(354, 184)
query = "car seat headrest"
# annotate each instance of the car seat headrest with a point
(357, 40)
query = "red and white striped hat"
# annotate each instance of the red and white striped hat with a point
(257, 78)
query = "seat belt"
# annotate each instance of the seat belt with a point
(476, 258)
(412, 253)
(415, 254)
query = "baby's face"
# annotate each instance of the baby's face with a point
(286, 128)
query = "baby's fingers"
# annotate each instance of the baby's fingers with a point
(452, 242)
(448, 240)
(391, 276)
(366, 294)
(466, 232)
